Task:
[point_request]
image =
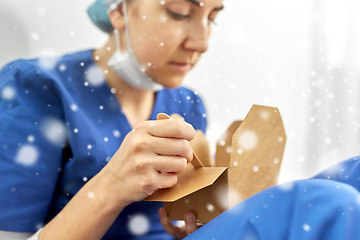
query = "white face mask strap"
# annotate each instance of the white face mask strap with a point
(117, 40)
(126, 26)
(117, 34)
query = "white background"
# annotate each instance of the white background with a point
(260, 52)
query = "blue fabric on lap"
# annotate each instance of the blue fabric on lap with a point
(326, 207)
(311, 209)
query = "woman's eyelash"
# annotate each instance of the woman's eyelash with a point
(181, 16)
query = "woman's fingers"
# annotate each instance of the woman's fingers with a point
(169, 128)
(172, 147)
(190, 222)
(166, 180)
(169, 164)
(161, 146)
(169, 226)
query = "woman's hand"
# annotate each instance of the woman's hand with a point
(149, 159)
(190, 224)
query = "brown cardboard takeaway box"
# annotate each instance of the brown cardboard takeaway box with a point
(248, 160)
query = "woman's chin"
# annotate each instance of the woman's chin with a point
(171, 82)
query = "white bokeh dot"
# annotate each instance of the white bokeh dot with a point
(116, 133)
(228, 149)
(8, 93)
(54, 130)
(89, 146)
(264, 115)
(94, 76)
(27, 155)
(91, 195)
(74, 107)
(248, 140)
(62, 67)
(210, 207)
(306, 227)
(139, 224)
(256, 168)
(47, 62)
(31, 138)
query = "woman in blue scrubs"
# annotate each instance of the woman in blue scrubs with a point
(79, 145)
(80, 149)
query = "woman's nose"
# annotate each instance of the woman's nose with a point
(197, 39)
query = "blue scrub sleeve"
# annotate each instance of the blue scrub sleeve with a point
(31, 145)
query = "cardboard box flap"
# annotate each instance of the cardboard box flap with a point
(260, 139)
(201, 202)
(223, 146)
(246, 182)
(189, 181)
(201, 148)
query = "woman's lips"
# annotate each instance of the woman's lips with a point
(180, 67)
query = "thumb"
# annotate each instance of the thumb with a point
(177, 116)
(190, 222)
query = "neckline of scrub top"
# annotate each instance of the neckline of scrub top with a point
(108, 92)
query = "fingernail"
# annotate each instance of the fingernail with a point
(189, 218)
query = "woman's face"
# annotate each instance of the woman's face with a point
(168, 36)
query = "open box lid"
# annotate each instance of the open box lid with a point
(248, 161)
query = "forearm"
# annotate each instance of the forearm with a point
(88, 215)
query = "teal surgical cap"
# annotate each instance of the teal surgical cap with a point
(98, 13)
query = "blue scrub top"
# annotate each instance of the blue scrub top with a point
(60, 124)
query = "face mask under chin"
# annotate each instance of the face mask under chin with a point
(126, 65)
